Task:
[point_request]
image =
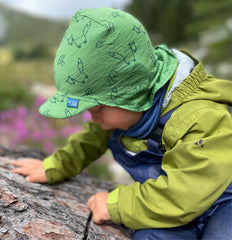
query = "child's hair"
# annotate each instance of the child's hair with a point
(106, 57)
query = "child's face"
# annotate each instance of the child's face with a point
(111, 118)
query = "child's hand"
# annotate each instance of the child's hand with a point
(32, 169)
(98, 205)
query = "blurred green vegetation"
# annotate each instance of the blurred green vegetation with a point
(180, 20)
(193, 24)
(17, 75)
(100, 170)
(13, 93)
(37, 52)
(27, 48)
(220, 51)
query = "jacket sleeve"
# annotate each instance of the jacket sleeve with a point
(198, 168)
(81, 149)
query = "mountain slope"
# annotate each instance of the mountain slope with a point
(21, 29)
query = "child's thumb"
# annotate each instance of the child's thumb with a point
(36, 179)
(33, 179)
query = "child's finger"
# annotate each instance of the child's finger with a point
(20, 163)
(90, 202)
(28, 178)
(97, 219)
(24, 161)
(36, 178)
(20, 170)
(17, 163)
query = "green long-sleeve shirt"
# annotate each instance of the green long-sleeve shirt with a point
(197, 162)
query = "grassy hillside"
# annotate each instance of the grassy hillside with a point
(27, 48)
(20, 29)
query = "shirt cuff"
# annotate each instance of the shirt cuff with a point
(112, 205)
(53, 174)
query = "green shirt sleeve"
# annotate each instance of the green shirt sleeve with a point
(81, 149)
(198, 140)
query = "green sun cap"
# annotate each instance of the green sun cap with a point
(106, 57)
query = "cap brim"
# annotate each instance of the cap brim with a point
(57, 106)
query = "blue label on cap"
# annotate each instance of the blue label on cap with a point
(72, 103)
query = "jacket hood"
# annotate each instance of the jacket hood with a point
(200, 86)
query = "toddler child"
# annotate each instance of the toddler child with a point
(165, 120)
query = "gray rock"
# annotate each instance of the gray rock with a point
(43, 211)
